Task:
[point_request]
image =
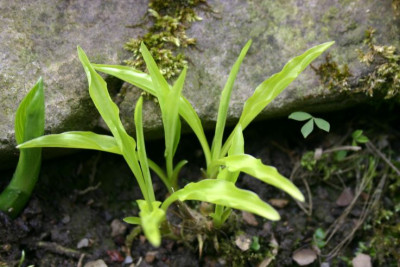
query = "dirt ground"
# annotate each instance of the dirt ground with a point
(351, 209)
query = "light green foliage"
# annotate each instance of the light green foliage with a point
(224, 161)
(319, 238)
(308, 127)
(29, 124)
(359, 138)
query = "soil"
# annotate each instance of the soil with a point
(76, 211)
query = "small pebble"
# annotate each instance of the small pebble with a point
(98, 263)
(84, 243)
(118, 228)
(150, 256)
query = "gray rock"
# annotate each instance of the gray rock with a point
(39, 38)
(280, 30)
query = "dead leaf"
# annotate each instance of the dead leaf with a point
(304, 256)
(345, 198)
(243, 242)
(362, 260)
(249, 218)
(279, 202)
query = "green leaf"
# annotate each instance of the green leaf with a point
(141, 150)
(110, 113)
(224, 104)
(300, 116)
(132, 220)
(362, 139)
(273, 86)
(144, 82)
(160, 85)
(356, 134)
(307, 128)
(171, 120)
(223, 193)
(82, 140)
(268, 174)
(128, 74)
(29, 123)
(29, 118)
(322, 124)
(151, 218)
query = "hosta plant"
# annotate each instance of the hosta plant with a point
(224, 160)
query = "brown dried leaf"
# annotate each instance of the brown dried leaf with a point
(345, 198)
(249, 218)
(278, 202)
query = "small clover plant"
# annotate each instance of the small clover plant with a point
(308, 127)
(29, 124)
(224, 160)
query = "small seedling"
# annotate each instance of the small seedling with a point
(359, 138)
(308, 127)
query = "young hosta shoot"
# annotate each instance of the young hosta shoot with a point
(224, 160)
(308, 127)
(29, 124)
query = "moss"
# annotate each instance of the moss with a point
(396, 7)
(384, 79)
(167, 34)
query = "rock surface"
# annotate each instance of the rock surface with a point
(39, 38)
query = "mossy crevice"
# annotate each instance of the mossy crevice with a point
(167, 35)
(384, 79)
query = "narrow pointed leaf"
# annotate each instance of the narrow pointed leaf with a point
(144, 82)
(110, 113)
(141, 150)
(322, 124)
(273, 86)
(254, 167)
(300, 116)
(29, 123)
(82, 140)
(132, 220)
(223, 193)
(307, 128)
(224, 103)
(128, 74)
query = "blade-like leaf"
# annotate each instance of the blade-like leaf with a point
(29, 123)
(144, 82)
(254, 167)
(322, 124)
(224, 103)
(300, 116)
(141, 150)
(307, 128)
(132, 220)
(150, 220)
(29, 118)
(128, 74)
(82, 140)
(160, 85)
(110, 113)
(223, 193)
(171, 120)
(273, 86)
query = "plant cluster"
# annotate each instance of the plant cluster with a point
(166, 35)
(224, 160)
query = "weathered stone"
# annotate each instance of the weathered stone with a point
(280, 30)
(39, 38)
